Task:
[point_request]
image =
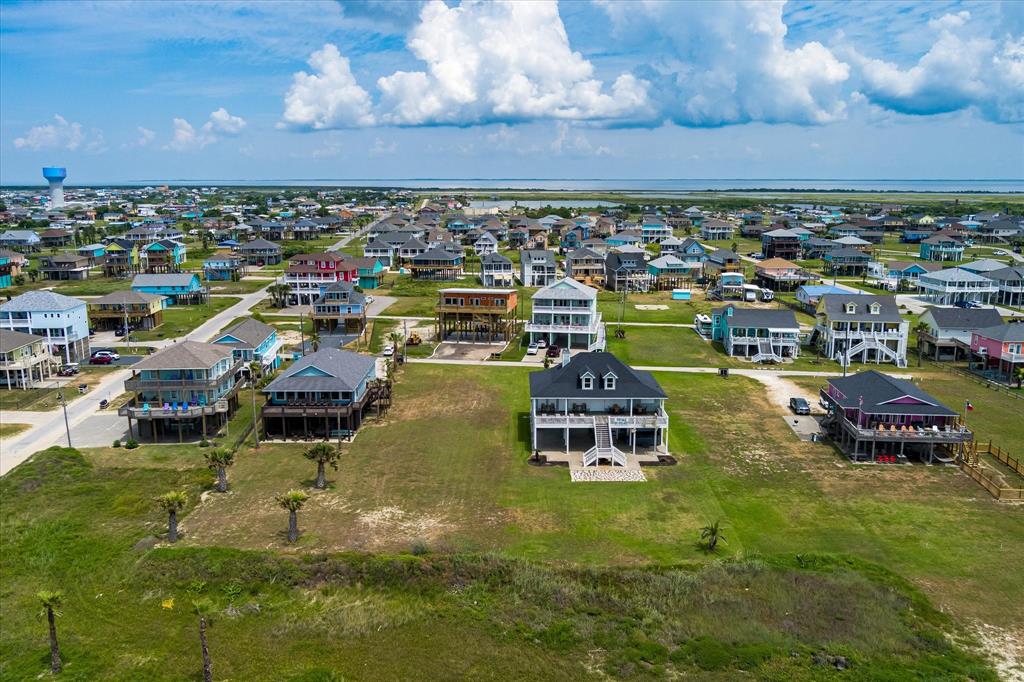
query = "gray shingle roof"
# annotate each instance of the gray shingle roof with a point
(563, 381)
(12, 340)
(346, 371)
(250, 334)
(170, 279)
(41, 301)
(759, 318)
(566, 289)
(259, 245)
(126, 296)
(185, 355)
(1013, 331)
(965, 318)
(877, 390)
(835, 307)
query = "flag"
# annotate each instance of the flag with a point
(967, 404)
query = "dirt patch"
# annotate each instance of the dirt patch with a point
(391, 526)
(466, 351)
(1004, 648)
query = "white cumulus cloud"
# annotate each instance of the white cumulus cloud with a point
(726, 62)
(328, 98)
(186, 137)
(961, 69)
(61, 134)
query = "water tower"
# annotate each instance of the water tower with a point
(55, 176)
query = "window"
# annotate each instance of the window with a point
(587, 382)
(851, 308)
(609, 382)
(875, 308)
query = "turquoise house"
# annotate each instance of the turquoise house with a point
(165, 255)
(180, 287)
(5, 272)
(253, 341)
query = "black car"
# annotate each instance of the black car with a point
(799, 406)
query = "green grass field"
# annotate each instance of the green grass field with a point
(182, 319)
(8, 430)
(458, 559)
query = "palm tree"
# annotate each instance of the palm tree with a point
(921, 328)
(396, 338)
(322, 454)
(279, 292)
(254, 371)
(204, 609)
(51, 603)
(292, 501)
(1018, 376)
(314, 338)
(712, 535)
(172, 503)
(33, 274)
(219, 459)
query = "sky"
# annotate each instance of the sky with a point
(164, 91)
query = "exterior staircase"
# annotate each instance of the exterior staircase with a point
(603, 447)
(871, 343)
(765, 352)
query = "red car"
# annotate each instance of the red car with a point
(553, 352)
(101, 360)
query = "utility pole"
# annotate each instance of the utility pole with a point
(67, 426)
(127, 332)
(302, 334)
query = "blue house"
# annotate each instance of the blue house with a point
(913, 235)
(253, 341)
(624, 238)
(323, 394)
(165, 255)
(653, 229)
(690, 251)
(223, 268)
(181, 287)
(94, 252)
(572, 240)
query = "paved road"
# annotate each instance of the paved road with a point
(344, 241)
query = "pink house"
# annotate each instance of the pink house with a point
(998, 352)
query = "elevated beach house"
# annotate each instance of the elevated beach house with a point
(861, 328)
(595, 404)
(949, 330)
(997, 352)
(24, 359)
(756, 334)
(324, 395)
(496, 271)
(61, 320)
(135, 309)
(875, 417)
(252, 341)
(340, 308)
(565, 314)
(186, 389)
(182, 288)
(477, 315)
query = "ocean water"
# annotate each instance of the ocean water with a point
(651, 187)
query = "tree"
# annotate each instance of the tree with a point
(733, 247)
(1018, 376)
(921, 328)
(712, 535)
(172, 503)
(218, 460)
(255, 371)
(314, 338)
(204, 609)
(279, 292)
(51, 603)
(397, 339)
(323, 454)
(293, 500)
(33, 274)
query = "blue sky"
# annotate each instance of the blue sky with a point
(135, 91)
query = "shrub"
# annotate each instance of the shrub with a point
(560, 636)
(204, 443)
(704, 652)
(131, 444)
(419, 548)
(117, 442)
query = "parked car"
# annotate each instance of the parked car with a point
(101, 360)
(104, 404)
(799, 406)
(388, 351)
(106, 353)
(542, 343)
(533, 348)
(967, 304)
(1000, 252)
(767, 295)
(553, 352)
(70, 369)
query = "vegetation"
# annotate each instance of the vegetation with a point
(180, 320)
(51, 603)
(218, 460)
(323, 454)
(712, 534)
(292, 501)
(172, 502)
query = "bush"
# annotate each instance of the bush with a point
(131, 444)
(419, 548)
(117, 442)
(204, 443)
(704, 652)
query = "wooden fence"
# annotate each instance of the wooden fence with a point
(1002, 389)
(968, 459)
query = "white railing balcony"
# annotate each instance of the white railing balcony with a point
(563, 308)
(563, 420)
(563, 328)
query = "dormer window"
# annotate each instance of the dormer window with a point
(875, 308)
(587, 381)
(609, 382)
(851, 308)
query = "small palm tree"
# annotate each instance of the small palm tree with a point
(279, 292)
(204, 609)
(920, 328)
(255, 372)
(323, 454)
(51, 603)
(172, 503)
(314, 339)
(293, 500)
(397, 339)
(1018, 376)
(218, 460)
(712, 535)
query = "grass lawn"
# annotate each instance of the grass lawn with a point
(43, 399)
(8, 430)
(244, 286)
(97, 286)
(182, 319)
(521, 574)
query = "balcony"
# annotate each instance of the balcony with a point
(563, 309)
(144, 410)
(615, 421)
(136, 383)
(591, 328)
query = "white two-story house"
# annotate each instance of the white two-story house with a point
(565, 314)
(861, 328)
(952, 285)
(537, 267)
(61, 320)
